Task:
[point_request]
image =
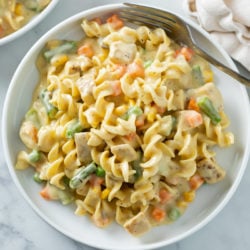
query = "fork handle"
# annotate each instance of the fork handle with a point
(221, 66)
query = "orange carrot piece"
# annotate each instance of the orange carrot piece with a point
(97, 20)
(140, 120)
(136, 69)
(116, 22)
(45, 193)
(186, 52)
(164, 195)
(96, 181)
(116, 87)
(194, 119)
(86, 50)
(158, 214)
(130, 136)
(192, 105)
(195, 181)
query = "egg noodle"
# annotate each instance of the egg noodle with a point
(14, 14)
(123, 124)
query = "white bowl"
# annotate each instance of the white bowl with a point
(210, 199)
(31, 24)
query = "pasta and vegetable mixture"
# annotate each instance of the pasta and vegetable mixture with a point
(14, 14)
(123, 123)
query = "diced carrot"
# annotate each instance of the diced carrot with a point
(86, 50)
(136, 69)
(96, 181)
(119, 69)
(164, 195)
(192, 105)
(140, 120)
(130, 136)
(194, 119)
(186, 52)
(195, 181)
(158, 214)
(160, 110)
(116, 87)
(116, 22)
(45, 193)
(97, 20)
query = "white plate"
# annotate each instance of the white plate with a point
(210, 199)
(32, 23)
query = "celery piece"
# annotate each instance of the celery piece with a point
(50, 108)
(207, 107)
(72, 128)
(34, 156)
(135, 110)
(82, 174)
(197, 75)
(66, 47)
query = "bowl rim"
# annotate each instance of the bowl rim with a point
(32, 50)
(31, 24)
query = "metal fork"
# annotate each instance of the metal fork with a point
(176, 29)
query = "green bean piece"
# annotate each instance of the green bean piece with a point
(100, 172)
(135, 110)
(136, 166)
(34, 156)
(37, 178)
(82, 174)
(207, 107)
(66, 47)
(73, 127)
(197, 75)
(174, 214)
(45, 97)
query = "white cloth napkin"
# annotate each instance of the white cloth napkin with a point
(228, 22)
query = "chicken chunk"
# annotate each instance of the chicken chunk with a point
(210, 171)
(82, 148)
(138, 224)
(124, 152)
(209, 90)
(85, 84)
(122, 53)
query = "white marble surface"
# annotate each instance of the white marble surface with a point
(22, 229)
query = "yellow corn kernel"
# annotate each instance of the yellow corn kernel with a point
(151, 114)
(104, 54)
(181, 204)
(119, 111)
(96, 189)
(189, 196)
(59, 60)
(19, 9)
(131, 102)
(105, 193)
(208, 76)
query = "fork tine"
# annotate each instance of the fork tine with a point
(156, 12)
(132, 16)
